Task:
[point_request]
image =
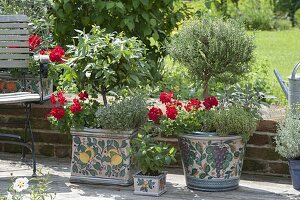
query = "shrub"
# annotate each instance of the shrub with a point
(283, 24)
(256, 15)
(288, 138)
(101, 62)
(213, 49)
(126, 114)
(297, 18)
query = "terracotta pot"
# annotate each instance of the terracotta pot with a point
(212, 163)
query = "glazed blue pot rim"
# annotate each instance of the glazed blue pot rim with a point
(210, 136)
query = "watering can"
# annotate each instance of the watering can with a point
(292, 91)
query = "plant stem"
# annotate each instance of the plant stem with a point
(205, 89)
(103, 93)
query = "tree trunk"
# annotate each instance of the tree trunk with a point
(103, 93)
(205, 89)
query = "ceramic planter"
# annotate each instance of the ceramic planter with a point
(150, 185)
(33, 84)
(101, 157)
(294, 166)
(212, 163)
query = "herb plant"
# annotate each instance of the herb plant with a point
(126, 114)
(235, 120)
(288, 138)
(150, 155)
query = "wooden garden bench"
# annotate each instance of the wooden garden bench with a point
(15, 53)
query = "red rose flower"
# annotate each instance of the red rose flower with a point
(44, 51)
(61, 99)
(34, 41)
(83, 95)
(176, 103)
(210, 102)
(52, 99)
(57, 112)
(171, 112)
(154, 114)
(193, 104)
(166, 97)
(76, 107)
(56, 54)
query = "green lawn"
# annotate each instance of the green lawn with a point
(281, 49)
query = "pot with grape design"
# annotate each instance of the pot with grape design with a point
(212, 163)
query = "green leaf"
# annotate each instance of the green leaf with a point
(153, 22)
(145, 16)
(97, 166)
(135, 3)
(145, 2)
(110, 5)
(124, 144)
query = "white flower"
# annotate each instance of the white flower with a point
(9, 196)
(88, 74)
(20, 184)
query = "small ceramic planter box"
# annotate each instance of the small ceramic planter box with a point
(9, 84)
(212, 163)
(150, 185)
(101, 157)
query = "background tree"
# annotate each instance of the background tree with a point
(213, 49)
(289, 6)
(149, 20)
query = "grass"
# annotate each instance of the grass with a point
(281, 50)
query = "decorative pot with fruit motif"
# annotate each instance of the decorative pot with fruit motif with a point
(101, 156)
(212, 163)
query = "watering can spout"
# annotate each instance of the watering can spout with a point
(281, 82)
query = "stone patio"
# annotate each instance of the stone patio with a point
(251, 186)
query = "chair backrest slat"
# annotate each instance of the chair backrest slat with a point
(14, 46)
(14, 63)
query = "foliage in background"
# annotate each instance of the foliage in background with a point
(101, 62)
(126, 114)
(150, 155)
(213, 49)
(235, 120)
(297, 18)
(256, 15)
(287, 6)
(37, 11)
(150, 21)
(288, 138)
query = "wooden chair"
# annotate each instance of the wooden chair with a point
(14, 53)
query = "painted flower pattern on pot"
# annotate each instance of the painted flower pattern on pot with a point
(145, 184)
(100, 157)
(212, 159)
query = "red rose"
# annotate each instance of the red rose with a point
(171, 112)
(76, 107)
(52, 99)
(61, 99)
(166, 97)
(44, 51)
(83, 95)
(56, 54)
(193, 104)
(154, 114)
(176, 103)
(57, 112)
(34, 41)
(210, 102)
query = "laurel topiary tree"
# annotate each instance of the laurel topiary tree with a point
(213, 49)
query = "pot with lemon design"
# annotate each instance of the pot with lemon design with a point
(101, 156)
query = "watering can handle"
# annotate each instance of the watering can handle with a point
(295, 70)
